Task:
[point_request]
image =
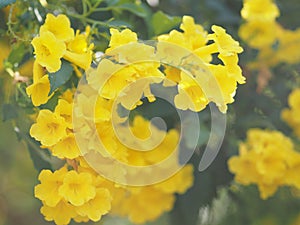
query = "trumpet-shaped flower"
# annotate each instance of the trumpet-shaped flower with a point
(49, 128)
(226, 45)
(61, 214)
(48, 50)
(66, 148)
(77, 188)
(259, 10)
(47, 190)
(59, 26)
(121, 38)
(39, 91)
(265, 159)
(95, 208)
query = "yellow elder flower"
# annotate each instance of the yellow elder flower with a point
(190, 95)
(61, 214)
(153, 202)
(178, 183)
(289, 43)
(259, 34)
(65, 110)
(77, 188)
(95, 208)
(265, 159)
(66, 148)
(49, 128)
(79, 51)
(49, 50)
(121, 38)
(39, 91)
(227, 83)
(194, 33)
(47, 190)
(259, 10)
(59, 26)
(225, 44)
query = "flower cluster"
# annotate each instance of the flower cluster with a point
(80, 193)
(193, 37)
(291, 115)
(71, 194)
(261, 31)
(56, 41)
(267, 159)
(114, 164)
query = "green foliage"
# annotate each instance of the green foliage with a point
(60, 77)
(163, 23)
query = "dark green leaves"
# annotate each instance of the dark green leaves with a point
(163, 23)
(60, 77)
(136, 9)
(4, 3)
(39, 156)
(16, 55)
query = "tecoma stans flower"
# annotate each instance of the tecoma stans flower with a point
(49, 50)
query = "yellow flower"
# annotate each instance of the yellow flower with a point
(65, 110)
(265, 159)
(121, 38)
(61, 214)
(66, 148)
(77, 188)
(78, 50)
(259, 10)
(39, 91)
(59, 26)
(175, 37)
(49, 50)
(225, 44)
(147, 198)
(226, 83)
(49, 128)
(95, 208)
(194, 33)
(289, 42)
(232, 68)
(82, 60)
(47, 191)
(190, 95)
(178, 183)
(259, 34)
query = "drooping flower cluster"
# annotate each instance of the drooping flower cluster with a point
(228, 75)
(114, 164)
(267, 159)
(56, 41)
(261, 31)
(291, 115)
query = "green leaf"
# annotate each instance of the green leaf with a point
(4, 3)
(9, 112)
(136, 9)
(39, 157)
(119, 23)
(162, 22)
(16, 55)
(60, 77)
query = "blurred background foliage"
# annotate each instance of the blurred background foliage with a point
(212, 200)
